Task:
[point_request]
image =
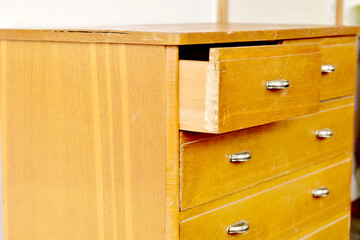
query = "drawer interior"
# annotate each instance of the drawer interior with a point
(200, 52)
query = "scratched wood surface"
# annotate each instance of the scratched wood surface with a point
(181, 34)
(83, 135)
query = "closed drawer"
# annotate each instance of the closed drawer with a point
(276, 149)
(277, 212)
(232, 90)
(333, 228)
(338, 63)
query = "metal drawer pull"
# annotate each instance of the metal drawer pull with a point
(324, 133)
(277, 84)
(240, 157)
(320, 192)
(327, 68)
(240, 227)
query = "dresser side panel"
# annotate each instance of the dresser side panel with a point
(83, 133)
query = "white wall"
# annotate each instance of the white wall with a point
(352, 12)
(77, 13)
(283, 11)
(85, 13)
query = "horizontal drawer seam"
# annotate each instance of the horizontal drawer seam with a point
(269, 189)
(324, 227)
(264, 180)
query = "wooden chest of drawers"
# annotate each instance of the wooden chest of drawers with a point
(233, 131)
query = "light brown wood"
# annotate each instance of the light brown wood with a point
(172, 144)
(339, 12)
(279, 211)
(181, 34)
(335, 227)
(83, 153)
(277, 149)
(208, 207)
(340, 52)
(222, 11)
(186, 137)
(229, 92)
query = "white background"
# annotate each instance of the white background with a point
(82, 13)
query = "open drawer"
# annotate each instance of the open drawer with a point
(240, 87)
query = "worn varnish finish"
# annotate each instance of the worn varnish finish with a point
(340, 52)
(229, 92)
(83, 153)
(207, 174)
(181, 34)
(283, 216)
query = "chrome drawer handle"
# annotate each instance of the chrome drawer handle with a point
(327, 68)
(324, 133)
(320, 192)
(240, 157)
(277, 84)
(240, 227)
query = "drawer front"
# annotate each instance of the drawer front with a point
(235, 89)
(276, 149)
(330, 229)
(338, 53)
(279, 211)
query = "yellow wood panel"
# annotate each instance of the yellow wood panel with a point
(340, 52)
(172, 143)
(277, 212)
(210, 206)
(231, 53)
(233, 95)
(83, 140)
(277, 149)
(335, 227)
(181, 34)
(186, 137)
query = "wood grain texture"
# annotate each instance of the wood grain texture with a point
(340, 52)
(225, 201)
(84, 154)
(172, 143)
(277, 212)
(277, 149)
(233, 95)
(181, 34)
(187, 137)
(335, 227)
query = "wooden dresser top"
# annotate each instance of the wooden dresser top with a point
(181, 34)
